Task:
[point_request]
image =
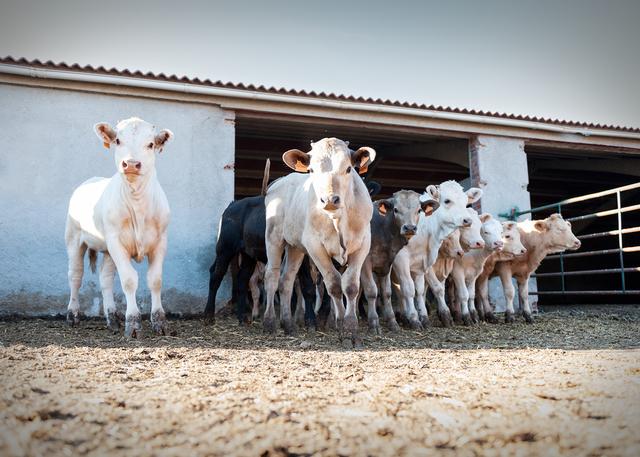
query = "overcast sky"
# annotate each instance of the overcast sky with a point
(577, 60)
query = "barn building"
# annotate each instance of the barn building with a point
(223, 134)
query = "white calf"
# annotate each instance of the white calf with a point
(422, 250)
(125, 217)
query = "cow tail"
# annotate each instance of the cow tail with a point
(265, 178)
(93, 258)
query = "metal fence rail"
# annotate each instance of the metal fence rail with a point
(622, 271)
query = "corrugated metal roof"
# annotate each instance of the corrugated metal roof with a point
(301, 93)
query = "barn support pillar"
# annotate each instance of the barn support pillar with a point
(499, 167)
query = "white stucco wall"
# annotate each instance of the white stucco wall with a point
(498, 166)
(48, 147)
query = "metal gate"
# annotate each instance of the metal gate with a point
(621, 271)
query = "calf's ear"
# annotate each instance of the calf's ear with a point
(362, 158)
(484, 217)
(297, 160)
(162, 138)
(509, 225)
(106, 134)
(474, 195)
(384, 206)
(429, 206)
(541, 226)
(433, 191)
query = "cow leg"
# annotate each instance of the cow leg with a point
(75, 251)
(509, 292)
(216, 274)
(331, 278)
(255, 291)
(462, 296)
(471, 292)
(438, 291)
(241, 288)
(298, 315)
(308, 292)
(423, 314)
(482, 291)
(371, 295)
(107, 273)
(129, 282)
(351, 289)
(384, 289)
(295, 257)
(407, 290)
(271, 280)
(154, 281)
(523, 292)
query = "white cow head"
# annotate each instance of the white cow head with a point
(406, 207)
(491, 232)
(136, 143)
(471, 236)
(333, 167)
(557, 233)
(452, 212)
(511, 238)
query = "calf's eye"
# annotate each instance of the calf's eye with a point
(395, 210)
(508, 237)
(118, 141)
(447, 201)
(150, 145)
(348, 170)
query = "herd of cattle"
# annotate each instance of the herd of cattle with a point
(315, 233)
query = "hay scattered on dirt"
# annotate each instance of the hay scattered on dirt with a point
(568, 385)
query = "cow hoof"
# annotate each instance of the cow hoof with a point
(73, 319)
(114, 321)
(209, 318)
(255, 318)
(269, 325)
(374, 326)
(288, 327)
(528, 318)
(425, 322)
(133, 326)
(509, 317)
(491, 318)
(393, 325)
(445, 318)
(311, 324)
(415, 324)
(481, 316)
(466, 319)
(474, 317)
(159, 323)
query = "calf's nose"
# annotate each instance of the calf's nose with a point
(479, 244)
(460, 253)
(409, 229)
(577, 244)
(131, 165)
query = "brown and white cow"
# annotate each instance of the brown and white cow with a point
(540, 238)
(323, 211)
(125, 217)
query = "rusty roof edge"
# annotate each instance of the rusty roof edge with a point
(232, 87)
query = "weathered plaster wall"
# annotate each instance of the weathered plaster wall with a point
(499, 167)
(48, 147)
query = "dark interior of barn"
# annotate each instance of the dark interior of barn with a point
(404, 159)
(558, 175)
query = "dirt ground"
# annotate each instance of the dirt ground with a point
(567, 385)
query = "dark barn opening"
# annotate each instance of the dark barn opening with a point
(556, 175)
(405, 159)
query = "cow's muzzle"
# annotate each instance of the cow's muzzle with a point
(408, 230)
(331, 203)
(131, 166)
